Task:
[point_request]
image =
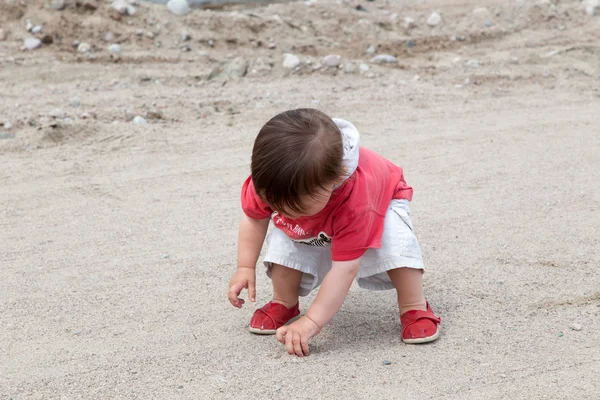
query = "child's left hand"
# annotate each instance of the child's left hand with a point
(295, 336)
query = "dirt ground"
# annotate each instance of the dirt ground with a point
(117, 240)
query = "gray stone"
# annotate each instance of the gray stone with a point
(114, 48)
(58, 5)
(371, 50)
(350, 68)
(84, 47)
(179, 7)
(434, 19)
(123, 7)
(139, 120)
(576, 327)
(36, 29)
(364, 67)
(290, 61)
(185, 36)
(28, 25)
(75, 43)
(57, 113)
(386, 362)
(261, 66)
(7, 125)
(6, 135)
(108, 37)
(592, 7)
(32, 43)
(409, 23)
(332, 60)
(236, 68)
(75, 102)
(384, 59)
(473, 63)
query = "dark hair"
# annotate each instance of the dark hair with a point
(296, 153)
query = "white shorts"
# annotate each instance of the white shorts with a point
(399, 248)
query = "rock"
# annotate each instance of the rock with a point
(332, 60)
(384, 59)
(410, 43)
(28, 25)
(409, 23)
(123, 7)
(129, 115)
(75, 43)
(434, 19)
(139, 120)
(290, 61)
(75, 102)
(6, 135)
(3, 35)
(186, 48)
(32, 43)
(114, 48)
(84, 47)
(364, 67)
(57, 113)
(350, 68)
(58, 5)
(108, 37)
(386, 362)
(261, 66)
(36, 29)
(236, 68)
(371, 50)
(473, 63)
(576, 327)
(7, 125)
(139, 32)
(592, 7)
(155, 114)
(150, 35)
(179, 7)
(185, 36)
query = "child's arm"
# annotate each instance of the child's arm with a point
(250, 240)
(333, 292)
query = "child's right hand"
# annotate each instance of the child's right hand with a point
(244, 278)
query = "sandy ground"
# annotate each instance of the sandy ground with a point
(117, 241)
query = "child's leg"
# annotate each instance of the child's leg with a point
(286, 285)
(409, 286)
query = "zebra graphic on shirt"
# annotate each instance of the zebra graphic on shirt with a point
(320, 241)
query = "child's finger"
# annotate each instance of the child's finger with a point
(234, 292)
(281, 334)
(297, 346)
(252, 291)
(304, 344)
(289, 346)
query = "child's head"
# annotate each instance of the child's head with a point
(297, 161)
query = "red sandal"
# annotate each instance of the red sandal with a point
(419, 326)
(272, 316)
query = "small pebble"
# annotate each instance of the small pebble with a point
(560, 334)
(576, 327)
(364, 67)
(350, 68)
(409, 23)
(108, 37)
(473, 63)
(36, 29)
(164, 256)
(139, 120)
(384, 59)
(84, 47)
(185, 36)
(57, 113)
(332, 60)
(371, 50)
(58, 5)
(75, 102)
(123, 7)
(434, 19)
(7, 125)
(386, 362)
(32, 43)
(114, 48)
(179, 7)
(75, 43)
(592, 7)
(410, 44)
(290, 61)
(28, 25)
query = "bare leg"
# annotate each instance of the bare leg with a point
(409, 286)
(286, 285)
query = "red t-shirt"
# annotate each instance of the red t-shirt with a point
(352, 220)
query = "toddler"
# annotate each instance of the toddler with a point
(341, 212)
